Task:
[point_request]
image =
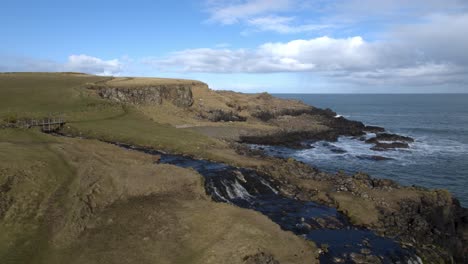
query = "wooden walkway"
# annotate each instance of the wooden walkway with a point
(50, 124)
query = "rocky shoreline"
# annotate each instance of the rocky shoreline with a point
(434, 223)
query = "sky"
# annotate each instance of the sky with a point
(278, 46)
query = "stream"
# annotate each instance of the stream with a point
(339, 240)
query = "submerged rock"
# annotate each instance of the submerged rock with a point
(379, 146)
(389, 137)
(373, 157)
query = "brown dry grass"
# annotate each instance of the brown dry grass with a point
(83, 201)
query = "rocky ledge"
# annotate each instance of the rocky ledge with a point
(431, 221)
(386, 141)
(297, 133)
(179, 94)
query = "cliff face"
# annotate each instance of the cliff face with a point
(180, 94)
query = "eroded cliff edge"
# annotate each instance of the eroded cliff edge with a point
(148, 91)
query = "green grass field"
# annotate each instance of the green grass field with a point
(38, 95)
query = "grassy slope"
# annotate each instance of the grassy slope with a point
(82, 201)
(39, 94)
(63, 199)
(28, 95)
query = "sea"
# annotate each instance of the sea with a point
(438, 122)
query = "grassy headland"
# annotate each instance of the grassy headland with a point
(81, 199)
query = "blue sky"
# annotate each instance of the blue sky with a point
(335, 46)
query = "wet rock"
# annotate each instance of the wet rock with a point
(292, 136)
(260, 258)
(362, 176)
(337, 150)
(324, 248)
(327, 223)
(389, 137)
(434, 219)
(303, 228)
(366, 242)
(379, 146)
(374, 129)
(364, 259)
(366, 251)
(384, 184)
(373, 157)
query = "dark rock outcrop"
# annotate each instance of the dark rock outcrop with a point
(178, 94)
(433, 222)
(435, 219)
(266, 115)
(379, 146)
(293, 138)
(219, 115)
(373, 157)
(374, 129)
(389, 137)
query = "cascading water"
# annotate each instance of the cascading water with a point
(342, 242)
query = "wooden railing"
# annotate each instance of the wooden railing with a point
(49, 124)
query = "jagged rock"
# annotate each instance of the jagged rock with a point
(389, 137)
(374, 129)
(379, 146)
(365, 251)
(219, 115)
(179, 94)
(303, 227)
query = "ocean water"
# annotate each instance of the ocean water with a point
(438, 122)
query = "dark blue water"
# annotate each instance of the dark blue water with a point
(438, 122)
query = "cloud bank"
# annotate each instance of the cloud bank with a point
(75, 63)
(428, 52)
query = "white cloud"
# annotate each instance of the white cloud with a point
(318, 54)
(231, 12)
(283, 25)
(299, 16)
(76, 63)
(432, 51)
(440, 38)
(93, 65)
(261, 15)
